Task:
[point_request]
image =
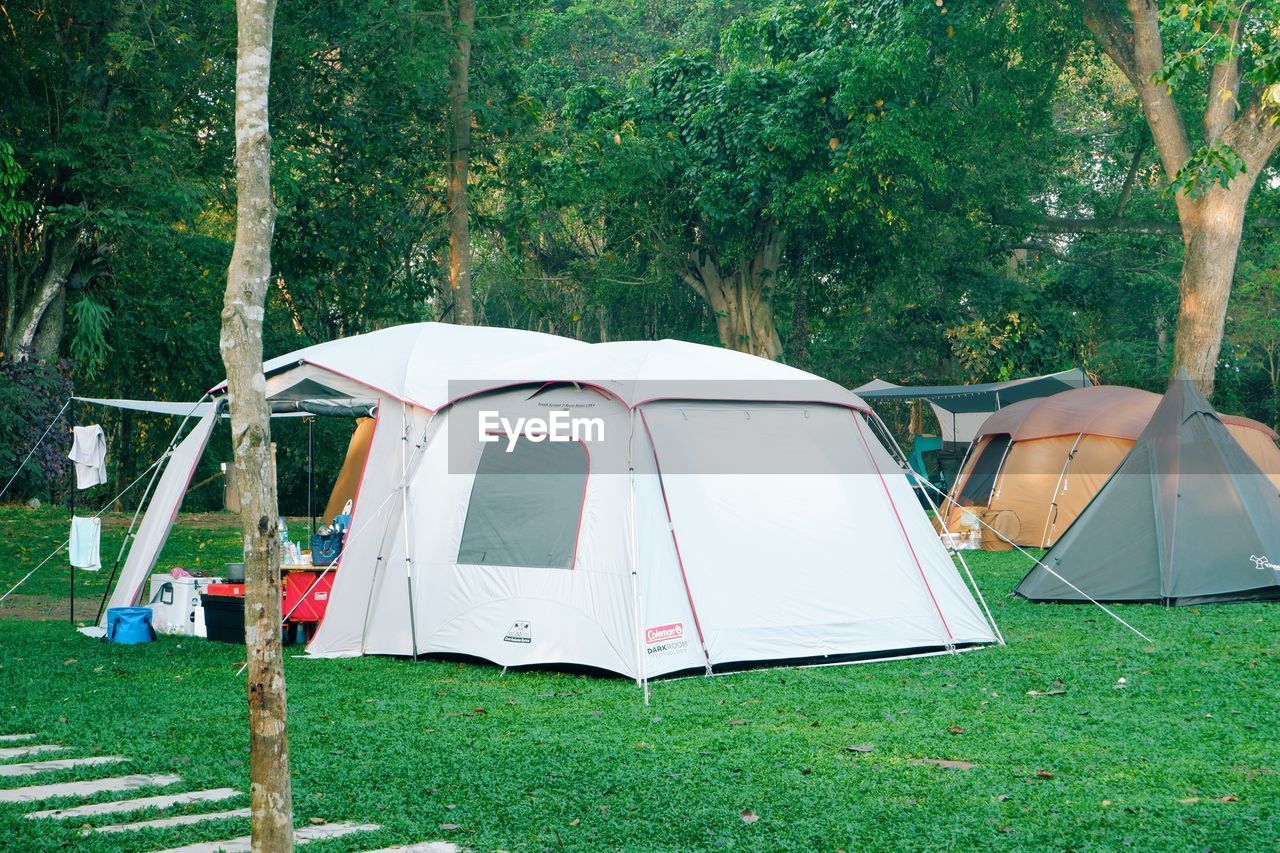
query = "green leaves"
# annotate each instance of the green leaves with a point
(1208, 167)
(89, 347)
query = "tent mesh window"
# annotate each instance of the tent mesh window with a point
(982, 479)
(526, 505)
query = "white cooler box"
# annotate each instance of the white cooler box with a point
(175, 604)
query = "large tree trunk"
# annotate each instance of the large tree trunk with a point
(53, 283)
(48, 342)
(740, 296)
(241, 344)
(457, 197)
(1213, 228)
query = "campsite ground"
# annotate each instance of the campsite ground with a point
(1057, 750)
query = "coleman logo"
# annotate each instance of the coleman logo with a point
(518, 633)
(1262, 564)
(664, 633)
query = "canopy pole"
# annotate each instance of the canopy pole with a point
(311, 513)
(71, 569)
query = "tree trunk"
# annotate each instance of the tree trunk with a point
(241, 343)
(62, 257)
(798, 346)
(48, 340)
(740, 296)
(1213, 228)
(457, 198)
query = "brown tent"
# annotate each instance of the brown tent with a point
(1036, 464)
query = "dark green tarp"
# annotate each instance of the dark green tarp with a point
(1187, 518)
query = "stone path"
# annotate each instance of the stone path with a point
(34, 793)
(115, 784)
(300, 836)
(31, 768)
(211, 795)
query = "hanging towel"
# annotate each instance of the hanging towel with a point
(86, 534)
(89, 452)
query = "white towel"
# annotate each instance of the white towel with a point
(89, 452)
(86, 534)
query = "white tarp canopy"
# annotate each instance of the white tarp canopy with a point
(728, 510)
(161, 513)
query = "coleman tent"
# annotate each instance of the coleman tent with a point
(1035, 465)
(1187, 518)
(637, 507)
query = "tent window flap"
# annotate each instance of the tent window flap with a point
(526, 505)
(982, 479)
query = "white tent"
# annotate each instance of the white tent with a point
(714, 510)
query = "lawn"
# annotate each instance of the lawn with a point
(1076, 735)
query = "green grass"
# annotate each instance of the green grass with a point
(1184, 756)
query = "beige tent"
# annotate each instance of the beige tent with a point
(344, 488)
(1035, 465)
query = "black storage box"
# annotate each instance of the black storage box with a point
(224, 617)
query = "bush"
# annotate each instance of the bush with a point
(31, 396)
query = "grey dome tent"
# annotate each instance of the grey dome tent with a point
(1187, 518)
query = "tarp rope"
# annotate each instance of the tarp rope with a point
(905, 536)
(96, 515)
(34, 447)
(1037, 561)
(893, 442)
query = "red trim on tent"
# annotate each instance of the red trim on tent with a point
(902, 527)
(674, 541)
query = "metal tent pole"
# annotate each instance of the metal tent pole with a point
(71, 569)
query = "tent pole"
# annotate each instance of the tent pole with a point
(1052, 514)
(632, 553)
(404, 513)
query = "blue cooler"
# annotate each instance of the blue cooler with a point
(129, 625)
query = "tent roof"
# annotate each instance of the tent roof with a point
(1186, 518)
(433, 364)
(1114, 411)
(983, 397)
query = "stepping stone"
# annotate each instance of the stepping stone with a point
(163, 802)
(33, 749)
(84, 789)
(422, 847)
(300, 836)
(31, 768)
(11, 738)
(177, 820)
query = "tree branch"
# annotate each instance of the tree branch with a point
(1111, 225)
(1113, 34)
(1224, 89)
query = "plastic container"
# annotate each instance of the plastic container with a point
(227, 589)
(129, 625)
(224, 618)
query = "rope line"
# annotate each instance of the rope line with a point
(34, 447)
